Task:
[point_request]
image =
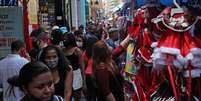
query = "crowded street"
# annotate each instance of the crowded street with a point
(100, 50)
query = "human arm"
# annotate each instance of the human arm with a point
(68, 85)
(121, 48)
(110, 97)
(84, 66)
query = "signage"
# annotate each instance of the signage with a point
(11, 27)
(8, 2)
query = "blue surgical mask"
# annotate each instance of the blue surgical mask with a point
(52, 63)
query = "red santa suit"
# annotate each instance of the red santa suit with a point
(178, 47)
(141, 32)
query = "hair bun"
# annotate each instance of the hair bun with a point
(14, 81)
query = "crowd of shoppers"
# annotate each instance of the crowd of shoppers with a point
(65, 65)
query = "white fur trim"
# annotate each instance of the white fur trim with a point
(168, 50)
(180, 61)
(194, 73)
(154, 44)
(160, 61)
(196, 60)
(189, 56)
(196, 51)
(178, 64)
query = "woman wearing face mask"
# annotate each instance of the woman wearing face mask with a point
(73, 53)
(36, 81)
(79, 42)
(40, 39)
(61, 70)
(79, 39)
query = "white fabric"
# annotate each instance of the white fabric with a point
(9, 67)
(77, 79)
(180, 62)
(196, 52)
(194, 73)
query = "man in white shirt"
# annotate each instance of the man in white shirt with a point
(10, 66)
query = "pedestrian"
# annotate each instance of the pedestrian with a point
(36, 81)
(10, 66)
(61, 70)
(40, 39)
(81, 29)
(73, 54)
(57, 37)
(73, 29)
(79, 39)
(105, 69)
(113, 37)
(89, 87)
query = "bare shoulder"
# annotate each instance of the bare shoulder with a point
(78, 51)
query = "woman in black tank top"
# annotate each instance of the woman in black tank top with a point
(73, 54)
(74, 59)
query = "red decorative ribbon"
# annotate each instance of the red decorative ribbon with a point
(172, 82)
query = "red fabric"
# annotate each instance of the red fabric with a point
(136, 32)
(89, 62)
(140, 94)
(145, 49)
(24, 53)
(131, 29)
(102, 74)
(181, 41)
(89, 67)
(144, 84)
(144, 77)
(172, 83)
(117, 52)
(138, 20)
(26, 25)
(155, 81)
(140, 32)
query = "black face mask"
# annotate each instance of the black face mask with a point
(35, 45)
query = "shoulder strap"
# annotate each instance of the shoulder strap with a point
(59, 98)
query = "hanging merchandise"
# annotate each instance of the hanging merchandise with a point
(141, 70)
(178, 51)
(167, 52)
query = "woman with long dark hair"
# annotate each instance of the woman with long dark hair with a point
(73, 54)
(106, 73)
(61, 70)
(36, 81)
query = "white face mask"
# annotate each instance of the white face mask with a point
(52, 63)
(79, 44)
